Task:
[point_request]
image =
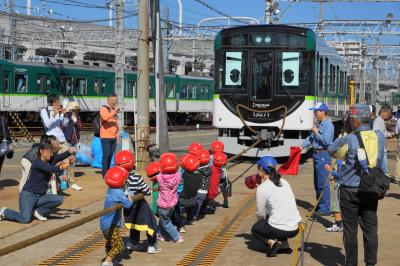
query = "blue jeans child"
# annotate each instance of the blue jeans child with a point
(167, 229)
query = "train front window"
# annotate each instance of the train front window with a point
(294, 72)
(231, 74)
(261, 64)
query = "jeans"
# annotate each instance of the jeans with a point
(167, 229)
(108, 147)
(384, 162)
(321, 158)
(28, 202)
(177, 218)
(357, 210)
(199, 203)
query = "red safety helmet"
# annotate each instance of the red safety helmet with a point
(182, 160)
(195, 147)
(252, 181)
(125, 159)
(217, 146)
(203, 156)
(169, 163)
(191, 163)
(220, 159)
(152, 170)
(116, 177)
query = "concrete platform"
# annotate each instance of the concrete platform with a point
(239, 248)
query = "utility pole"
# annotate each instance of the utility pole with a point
(268, 9)
(110, 6)
(13, 30)
(321, 19)
(143, 84)
(119, 59)
(161, 105)
(28, 7)
(166, 42)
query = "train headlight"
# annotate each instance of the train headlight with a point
(267, 40)
(258, 39)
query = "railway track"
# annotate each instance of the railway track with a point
(37, 131)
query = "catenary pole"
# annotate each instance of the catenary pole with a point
(143, 84)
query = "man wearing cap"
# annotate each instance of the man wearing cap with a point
(319, 140)
(357, 208)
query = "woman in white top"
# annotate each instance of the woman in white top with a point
(275, 198)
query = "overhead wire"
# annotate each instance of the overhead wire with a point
(218, 11)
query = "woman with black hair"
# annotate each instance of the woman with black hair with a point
(275, 198)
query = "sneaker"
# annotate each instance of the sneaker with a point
(104, 263)
(180, 240)
(334, 228)
(182, 230)
(153, 249)
(225, 204)
(39, 216)
(76, 187)
(2, 213)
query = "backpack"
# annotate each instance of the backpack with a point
(96, 122)
(374, 184)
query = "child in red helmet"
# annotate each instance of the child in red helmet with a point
(152, 171)
(191, 183)
(138, 218)
(110, 223)
(168, 182)
(205, 172)
(219, 161)
(218, 146)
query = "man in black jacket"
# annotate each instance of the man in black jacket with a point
(33, 198)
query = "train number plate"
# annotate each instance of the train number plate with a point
(259, 115)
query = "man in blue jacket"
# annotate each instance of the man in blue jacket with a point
(356, 208)
(319, 140)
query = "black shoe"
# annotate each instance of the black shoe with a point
(285, 251)
(272, 251)
(133, 246)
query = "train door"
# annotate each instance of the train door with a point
(6, 88)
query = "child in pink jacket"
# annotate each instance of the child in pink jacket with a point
(168, 182)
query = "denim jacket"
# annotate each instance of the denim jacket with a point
(323, 138)
(348, 174)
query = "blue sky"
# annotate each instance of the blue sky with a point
(194, 11)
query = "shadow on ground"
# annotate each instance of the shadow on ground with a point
(8, 183)
(325, 254)
(393, 195)
(252, 243)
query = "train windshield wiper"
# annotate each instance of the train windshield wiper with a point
(288, 94)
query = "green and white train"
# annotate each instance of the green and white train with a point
(273, 67)
(24, 86)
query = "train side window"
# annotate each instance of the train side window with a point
(170, 90)
(321, 75)
(193, 92)
(130, 86)
(21, 82)
(6, 82)
(43, 83)
(80, 86)
(204, 92)
(66, 85)
(100, 86)
(332, 78)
